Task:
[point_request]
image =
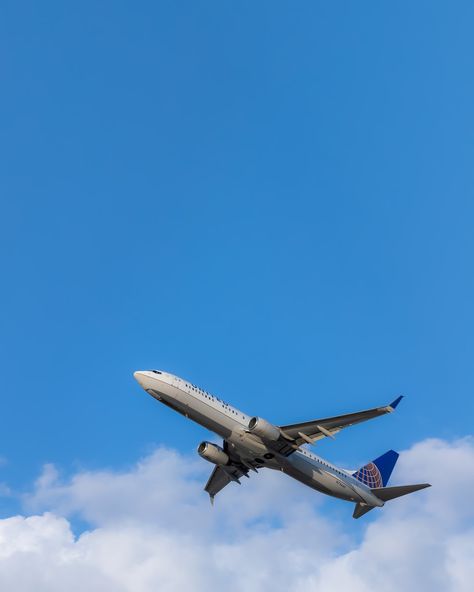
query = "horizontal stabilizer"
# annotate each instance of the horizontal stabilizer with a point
(387, 493)
(361, 509)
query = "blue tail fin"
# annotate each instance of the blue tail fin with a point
(377, 473)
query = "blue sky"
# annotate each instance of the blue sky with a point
(272, 200)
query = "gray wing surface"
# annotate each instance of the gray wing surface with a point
(217, 481)
(311, 431)
(222, 476)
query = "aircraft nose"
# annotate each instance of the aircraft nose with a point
(140, 376)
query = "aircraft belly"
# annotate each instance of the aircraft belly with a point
(318, 478)
(207, 415)
(251, 448)
(192, 407)
(211, 418)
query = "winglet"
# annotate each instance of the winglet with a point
(393, 404)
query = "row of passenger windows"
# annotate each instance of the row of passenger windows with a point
(306, 453)
(205, 394)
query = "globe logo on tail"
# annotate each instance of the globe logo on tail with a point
(370, 475)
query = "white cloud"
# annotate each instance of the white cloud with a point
(152, 528)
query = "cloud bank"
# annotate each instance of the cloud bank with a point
(151, 528)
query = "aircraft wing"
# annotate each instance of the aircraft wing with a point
(225, 474)
(222, 476)
(312, 431)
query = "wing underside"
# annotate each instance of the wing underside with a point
(222, 475)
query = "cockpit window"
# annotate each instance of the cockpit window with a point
(156, 371)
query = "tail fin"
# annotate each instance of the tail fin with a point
(377, 473)
(388, 493)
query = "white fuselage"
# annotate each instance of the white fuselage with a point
(232, 425)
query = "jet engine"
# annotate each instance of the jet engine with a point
(264, 429)
(213, 453)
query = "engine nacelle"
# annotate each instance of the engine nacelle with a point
(264, 429)
(213, 453)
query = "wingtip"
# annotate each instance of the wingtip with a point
(395, 403)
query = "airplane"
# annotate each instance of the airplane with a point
(252, 443)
